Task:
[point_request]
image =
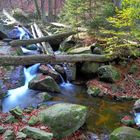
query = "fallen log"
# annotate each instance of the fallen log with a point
(46, 47)
(33, 59)
(50, 39)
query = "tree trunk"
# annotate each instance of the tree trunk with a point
(54, 38)
(50, 10)
(33, 59)
(37, 9)
(43, 11)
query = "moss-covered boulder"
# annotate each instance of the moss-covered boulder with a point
(108, 73)
(44, 83)
(90, 67)
(36, 133)
(125, 133)
(63, 118)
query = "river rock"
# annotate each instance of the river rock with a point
(90, 67)
(21, 135)
(128, 121)
(133, 69)
(63, 118)
(125, 133)
(59, 69)
(50, 72)
(67, 44)
(9, 135)
(94, 91)
(42, 82)
(108, 73)
(44, 96)
(17, 112)
(10, 119)
(33, 120)
(36, 133)
(2, 129)
(136, 107)
(80, 50)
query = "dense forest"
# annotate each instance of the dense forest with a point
(69, 69)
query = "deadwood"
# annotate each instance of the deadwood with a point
(32, 59)
(53, 38)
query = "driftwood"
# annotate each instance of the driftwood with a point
(34, 35)
(49, 39)
(45, 45)
(33, 59)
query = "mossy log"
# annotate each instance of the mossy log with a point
(33, 59)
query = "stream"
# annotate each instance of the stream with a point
(103, 117)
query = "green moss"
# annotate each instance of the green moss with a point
(94, 91)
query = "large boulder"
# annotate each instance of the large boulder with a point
(63, 118)
(48, 70)
(108, 73)
(90, 67)
(125, 133)
(36, 133)
(44, 83)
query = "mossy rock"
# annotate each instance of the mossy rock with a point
(133, 69)
(33, 120)
(36, 133)
(9, 135)
(44, 83)
(17, 111)
(108, 73)
(125, 133)
(94, 91)
(63, 118)
(90, 67)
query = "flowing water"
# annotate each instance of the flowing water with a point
(103, 116)
(22, 96)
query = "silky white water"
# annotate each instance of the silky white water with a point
(18, 96)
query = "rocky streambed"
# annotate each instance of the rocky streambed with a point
(70, 101)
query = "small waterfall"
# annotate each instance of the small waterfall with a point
(62, 79)
(137, 118)
(15, 96)
(64, 84)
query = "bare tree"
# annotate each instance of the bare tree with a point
(37, 8)
(50, 10)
